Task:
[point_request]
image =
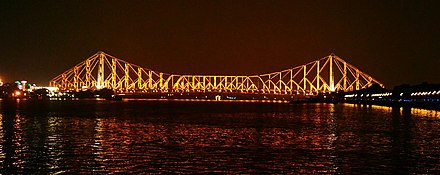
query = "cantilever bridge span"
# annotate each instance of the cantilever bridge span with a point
(101, 70)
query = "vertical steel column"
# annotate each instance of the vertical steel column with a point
(101, 84)
(236, 83)
(225, 87)
(126, 76)
(345, 76)
(63, 81)
(318, 78)
(331, 81)
(193, 83)
(161, 81)
(173, 84)
(215, 83)
(291, 81)
(150, 79)
(357, 80)
(204, 84)
(75, 78)
(279, 88)
(140, 80)
(88, 73)
(199, 84)
(305, 78)
(114, 85)
(247, 84)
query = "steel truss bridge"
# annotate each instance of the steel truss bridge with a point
(101, 70)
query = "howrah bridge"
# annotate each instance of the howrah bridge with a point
(101, 70)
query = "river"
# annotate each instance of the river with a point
(161, 137)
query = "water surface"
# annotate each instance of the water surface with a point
(152, 137)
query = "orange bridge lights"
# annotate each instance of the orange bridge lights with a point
(101, 70)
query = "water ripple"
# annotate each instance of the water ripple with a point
(186, 138)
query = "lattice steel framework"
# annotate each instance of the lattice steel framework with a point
(328, 74)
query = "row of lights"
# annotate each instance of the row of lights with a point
(381, 95)
(368, 95)
(206, 90)
(425, 93)
(389, 94)
(59, 94)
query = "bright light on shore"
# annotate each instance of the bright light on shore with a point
(54, 89)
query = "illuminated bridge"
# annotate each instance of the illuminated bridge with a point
(101, 70)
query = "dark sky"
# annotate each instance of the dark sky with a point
(394, 41)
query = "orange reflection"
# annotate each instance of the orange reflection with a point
(425, 112)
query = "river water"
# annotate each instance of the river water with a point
(154, 137)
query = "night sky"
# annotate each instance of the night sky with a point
(396, 42)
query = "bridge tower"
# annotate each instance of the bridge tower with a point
(100, 83)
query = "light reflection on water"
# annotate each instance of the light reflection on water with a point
(140, 137)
